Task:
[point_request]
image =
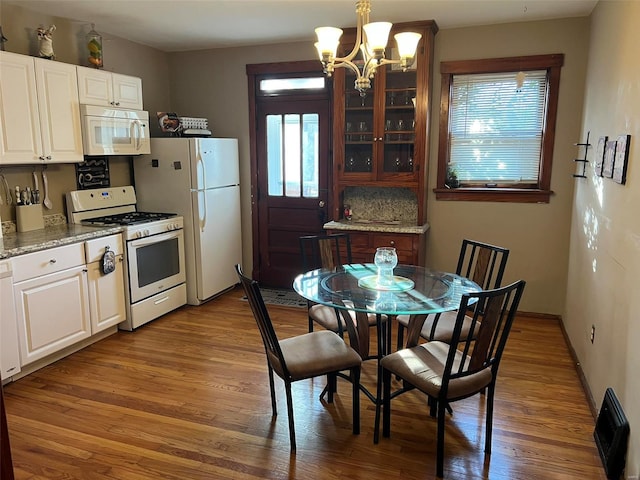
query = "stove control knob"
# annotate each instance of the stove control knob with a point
(146, 233)
(138, 234)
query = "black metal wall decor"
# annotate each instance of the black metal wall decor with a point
(583, 161)
(93, 173)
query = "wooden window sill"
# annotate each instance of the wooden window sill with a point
(514, 195)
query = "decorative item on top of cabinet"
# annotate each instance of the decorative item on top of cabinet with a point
(381, 139)
(40, 111)
(583, 161)
(94, 45)
(45, 42)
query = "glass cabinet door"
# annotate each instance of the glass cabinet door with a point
(399, 121)
(359, 129)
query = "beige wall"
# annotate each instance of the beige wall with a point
(214, 84)
(121, 56)
(536, 234)
(604, 265)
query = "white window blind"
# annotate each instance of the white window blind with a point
(496, 129)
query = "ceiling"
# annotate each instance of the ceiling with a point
(180, 25)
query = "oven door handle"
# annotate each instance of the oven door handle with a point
(143, 242)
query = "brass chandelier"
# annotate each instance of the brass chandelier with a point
(371, 41)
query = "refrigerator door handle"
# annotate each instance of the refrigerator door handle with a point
(203, 218)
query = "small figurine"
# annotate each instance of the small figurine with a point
(2, 39)
(45, 42)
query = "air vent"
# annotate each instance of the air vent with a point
(612, 435)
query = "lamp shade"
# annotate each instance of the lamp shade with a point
(377, 34)
(328, 41)
(407, 44)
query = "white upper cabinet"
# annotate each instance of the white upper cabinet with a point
(97, 87)
(39, 111)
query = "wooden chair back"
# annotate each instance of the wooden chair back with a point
(490, 329)
(483, 263)
(325, 251)
(261, 315)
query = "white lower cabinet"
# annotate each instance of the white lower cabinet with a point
(9, 351)
(106, 291)
(62, 296)
(53, 312)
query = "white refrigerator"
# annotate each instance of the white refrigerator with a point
(199, 179)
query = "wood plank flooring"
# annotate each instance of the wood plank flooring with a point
(187, 397)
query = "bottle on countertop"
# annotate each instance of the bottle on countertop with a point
(347, 212)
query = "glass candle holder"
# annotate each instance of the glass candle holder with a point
(94, 45)
(385, 260)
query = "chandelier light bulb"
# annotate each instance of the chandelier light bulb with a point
(377, 35)
(407, 46)
(371, 40)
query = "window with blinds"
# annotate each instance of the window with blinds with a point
(496, 129)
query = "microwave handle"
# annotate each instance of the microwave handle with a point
(136, 130)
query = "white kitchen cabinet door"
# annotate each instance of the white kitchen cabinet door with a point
(40, 111)
(127, 91)
(20, 138)
(106, 296)
(52, 312)
(97, 87)
(9, 351)
(59, 109)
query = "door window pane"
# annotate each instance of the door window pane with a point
(292, 155)
(310, 161)
(274, 155)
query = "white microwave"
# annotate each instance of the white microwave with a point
(114, 131)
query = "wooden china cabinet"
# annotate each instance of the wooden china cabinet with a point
(380, 139)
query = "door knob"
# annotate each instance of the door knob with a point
(321, 203)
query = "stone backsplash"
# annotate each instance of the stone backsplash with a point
(382, 204)
(49, 221)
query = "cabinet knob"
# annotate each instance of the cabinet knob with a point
(117, 104)
(53, 260)
(393, 244)
(48, 157)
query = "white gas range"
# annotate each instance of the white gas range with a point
(154, 253)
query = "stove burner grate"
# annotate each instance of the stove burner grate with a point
(130, 218)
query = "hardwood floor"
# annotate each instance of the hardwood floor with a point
(187, 397)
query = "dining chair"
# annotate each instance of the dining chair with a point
(329, 251)
(447, 372)
(481, 262)
(304, 356)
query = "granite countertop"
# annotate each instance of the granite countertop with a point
(19, 243)
(373, 226)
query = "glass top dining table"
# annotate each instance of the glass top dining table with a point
(413, 290)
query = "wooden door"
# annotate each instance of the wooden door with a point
(292, 149)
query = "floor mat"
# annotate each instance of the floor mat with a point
(274, 296)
